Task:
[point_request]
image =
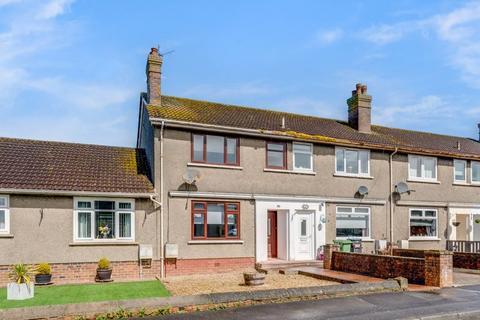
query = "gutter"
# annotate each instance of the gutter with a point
(75, 193)
(391, 196)
(283, 135)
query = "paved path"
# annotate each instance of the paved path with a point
(405, 305)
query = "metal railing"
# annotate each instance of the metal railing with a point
(463, 246)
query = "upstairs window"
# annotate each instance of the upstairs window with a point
(475, 172)
(102, 219)
(276, 155)
(4, 215)
(422, 168)
(215, 149)
(352, 162)
(215, 220)
(460, 171)
(302, 156)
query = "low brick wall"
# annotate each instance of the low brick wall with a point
(194, 266)
(380, 266)
(411, 253)
(466, 260)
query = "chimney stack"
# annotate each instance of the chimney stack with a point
(154, 72)
(478, 125)
(360, 109)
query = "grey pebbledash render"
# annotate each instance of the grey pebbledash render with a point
(214, 187)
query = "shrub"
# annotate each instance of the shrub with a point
(44, 268)
(21, 273)
(104, 263)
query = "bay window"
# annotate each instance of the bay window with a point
(276, 155)
(215, 220)
(352, 162)
(302, 156)
(104, 219)
(460, 171)
(423, 223)
(353, 222)
(475, 172)
(4, 215)
(422, 168)
(214, 149)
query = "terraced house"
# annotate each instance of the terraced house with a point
(215, 187)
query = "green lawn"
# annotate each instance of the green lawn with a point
(75, 293)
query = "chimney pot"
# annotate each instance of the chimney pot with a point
(360, 109)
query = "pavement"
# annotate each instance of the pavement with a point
(448, 303)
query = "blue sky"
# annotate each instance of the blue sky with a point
(73, 70)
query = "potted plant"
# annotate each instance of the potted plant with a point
(477, 221)
(22, 288)
(104, 272)
(44, 274)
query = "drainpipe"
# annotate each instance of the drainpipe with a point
(162, 262)
(391, 197)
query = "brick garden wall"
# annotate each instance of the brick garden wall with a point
(380, 266)
(193, 266)
(412, 253)
(466, 260)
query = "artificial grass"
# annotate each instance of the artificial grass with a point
(76, 293)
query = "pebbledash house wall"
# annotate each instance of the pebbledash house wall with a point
(41, 230)
(250, 178)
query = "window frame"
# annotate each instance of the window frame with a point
(369, 213)
(345, 173)
(117, 210)
(471, 172)
(225, 155)
(310, 153)
(410, 237)
(422, 178)
(6, 208)
(226, 212)
(465, 171)
(285, 152)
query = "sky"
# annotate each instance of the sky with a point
(73, 70)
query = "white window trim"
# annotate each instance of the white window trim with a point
(310, 153)
(92, 219)
(471, 173)
(410, 178)
(465, 171)
(6, 208)
(435, 237)
(367, 238)
(345, 173)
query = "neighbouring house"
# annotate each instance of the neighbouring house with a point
(213, 187)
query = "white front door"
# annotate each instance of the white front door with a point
(303, 227)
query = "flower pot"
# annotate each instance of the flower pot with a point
(20, 291)
(43, 278)
(253, 278)
(104, 274)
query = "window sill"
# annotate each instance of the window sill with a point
(102, 243)
(361, 239)
(215, 242)
(424, 239)
(343, 175)
(424, 181)
(463, 184)
(219, 166)
(311, 173)
(6, 235)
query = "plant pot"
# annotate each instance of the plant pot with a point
(104, 274)
(20, 291)
(253, 278)
(43, 278)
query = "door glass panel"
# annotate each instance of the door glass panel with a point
(303, 227)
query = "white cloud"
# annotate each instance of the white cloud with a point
(326, 37)
(7, 2)
(54, 8)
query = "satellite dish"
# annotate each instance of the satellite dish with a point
(191, 176)
(402, 187)
(362, 191)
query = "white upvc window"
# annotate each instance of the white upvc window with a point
(4, 215)
(422, 168)
(353, 223)
(475, 172)
(423, 224)
(459, 171)
(302, 156)
(352, 162)
(104, 219)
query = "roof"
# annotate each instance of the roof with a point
(311, 128)
(59, 166)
